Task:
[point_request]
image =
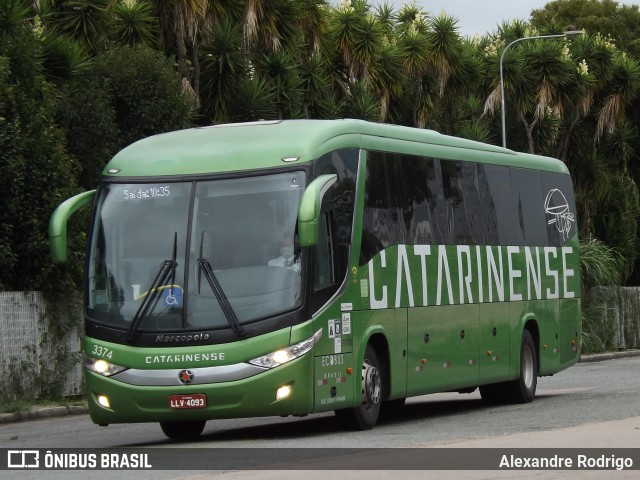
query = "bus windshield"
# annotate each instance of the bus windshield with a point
(195, 255)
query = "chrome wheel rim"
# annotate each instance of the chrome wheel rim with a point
(371, 385)
(527, 366)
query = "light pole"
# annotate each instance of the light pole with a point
(503, 111)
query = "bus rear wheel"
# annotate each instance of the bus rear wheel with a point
(523, 390)
(183, 430)
(365, 415)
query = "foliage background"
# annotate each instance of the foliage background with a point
(81, 79)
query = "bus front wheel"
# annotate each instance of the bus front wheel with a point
(365, 415)
(183, 430)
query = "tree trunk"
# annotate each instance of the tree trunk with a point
(529, 129)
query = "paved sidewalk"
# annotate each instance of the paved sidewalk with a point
(35, 413)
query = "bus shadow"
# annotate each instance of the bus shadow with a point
(273, 429)
(429, 408)
(329, 424)
(289, 428)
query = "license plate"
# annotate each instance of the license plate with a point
(194, 400)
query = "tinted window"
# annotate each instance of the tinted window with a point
(460, 180)
(529, 202)
(383, 221)
(498, 215)
(421, 200)
(340, 198)
(331, 255)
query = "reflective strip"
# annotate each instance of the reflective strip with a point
(205, 375)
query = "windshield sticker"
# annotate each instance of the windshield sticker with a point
(147, 192)
(557, 209)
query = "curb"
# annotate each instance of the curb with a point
(598, 357)
(36, 413)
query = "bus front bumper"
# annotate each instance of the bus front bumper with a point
(113, 401)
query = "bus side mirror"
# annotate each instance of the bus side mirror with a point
(309, 212)
(58, 224)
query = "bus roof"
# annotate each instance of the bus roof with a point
(270, 144)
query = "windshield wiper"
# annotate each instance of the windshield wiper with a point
(149, 302)
(216, 288)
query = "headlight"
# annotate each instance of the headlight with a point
(285, 355)
(101, 366)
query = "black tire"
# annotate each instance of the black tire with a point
(523, 390)
(365, 415)
(183, 430)
(394, 405)
(392, 409)
(493, 394)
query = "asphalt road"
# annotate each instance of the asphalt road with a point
(590, 405)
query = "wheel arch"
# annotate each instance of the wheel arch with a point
(531, 324)
(380, 344)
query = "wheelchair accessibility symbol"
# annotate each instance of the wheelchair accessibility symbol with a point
(172, 296)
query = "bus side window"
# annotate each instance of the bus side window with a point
(327, 274)
(529, 202)
(324, 272)
(500, 218)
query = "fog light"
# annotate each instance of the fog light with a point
(283, 392)
(103, 400)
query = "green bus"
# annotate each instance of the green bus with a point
(303, 266)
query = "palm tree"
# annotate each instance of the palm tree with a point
(352, 36)
(62, 58)
(387, 78)
(180, 24)
(539, 83)
(313, 22)
(254, 101)
(454, 67)
(318, 99)
(445, 48)
(13, 17)
(623, 87)
(86, 21)
(272, 24)
(134, 23)
(552, 75)
(224, 66)
(282, 77)
(413, 47)
(362, 103)
(355, 42)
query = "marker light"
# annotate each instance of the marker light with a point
(283, 392)
(285, 355)
(103, 400)
(101, 366)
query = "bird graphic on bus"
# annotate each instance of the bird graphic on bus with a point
(557, 207)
